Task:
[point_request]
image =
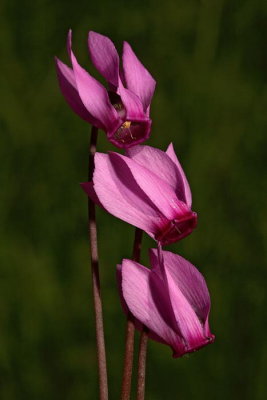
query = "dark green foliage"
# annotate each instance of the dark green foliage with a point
(210, 60)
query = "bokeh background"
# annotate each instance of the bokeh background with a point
(210, 61)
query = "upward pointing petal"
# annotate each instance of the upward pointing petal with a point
(132, 104)
(137, 77)
(171, 153)
(69, 90)
(104, 56)
(161, 164)
(139, 299)
(93, 95)
(158, 192)
(124, 200)
(187, 279)
(188, 295)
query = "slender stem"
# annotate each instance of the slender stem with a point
(128, 359)
(130, 329)
(141, 374)
(100, 340)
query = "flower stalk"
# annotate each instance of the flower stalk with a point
(92, 231)
(141, 374)
(130, 330)
(128, 359)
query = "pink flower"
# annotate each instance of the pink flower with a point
(171, 300)
(146, 188)
(123, 111)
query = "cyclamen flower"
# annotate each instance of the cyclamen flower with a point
(122, 111)
(171, 300)
(146, 188)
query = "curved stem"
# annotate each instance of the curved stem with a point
(130, 330)
(100, 340)
(141, 374)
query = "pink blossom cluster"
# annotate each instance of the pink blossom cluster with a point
(145, 187)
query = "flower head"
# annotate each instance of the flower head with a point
(123, 110)
(146, 188)
(171, 300)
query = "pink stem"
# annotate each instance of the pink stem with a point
(100, 340)
(141, 374)
(130, 330)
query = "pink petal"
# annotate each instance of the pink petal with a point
(104, 56)
(139, 299)
(171, 153)
(69, 90)
(161, 164)
(160, 294)
(188, 292)
(93, 95)
(124, 201)
(132, 104)
(137, 323)
(137, 77)
(158, 192)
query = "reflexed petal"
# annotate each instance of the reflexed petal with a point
(171, 153)
(137, 77)
(137, 294)
(104, 56)
(186, 279)
(124, 200)
(160, 163)
(160, 294)
(93, 95)
(188, 322)
(69, 90)
(132, 104)
(189, 298)
(160, 194)
(138, 325)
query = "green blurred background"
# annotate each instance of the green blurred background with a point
(210, 62)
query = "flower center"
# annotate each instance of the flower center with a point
(124, 134)
(177, 229)
(130, 132)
